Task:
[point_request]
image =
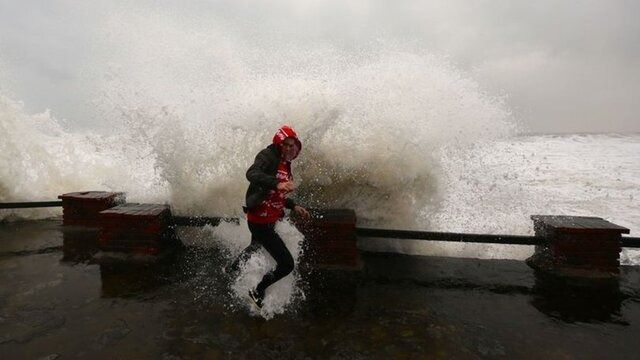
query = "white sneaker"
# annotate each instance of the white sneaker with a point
(257, 300)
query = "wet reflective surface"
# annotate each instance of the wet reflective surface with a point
(56, 302)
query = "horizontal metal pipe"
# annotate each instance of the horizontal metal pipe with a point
(630, 242)
(30, 204)
(445, 236)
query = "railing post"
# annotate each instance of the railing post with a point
(83, 208)
(330, 238)
(138, 229)
(577, 246)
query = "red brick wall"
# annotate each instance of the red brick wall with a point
(574, 242)
(83, 208)
(137, 228)
(330, 238)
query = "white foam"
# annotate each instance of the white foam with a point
(188, 112)
(498, 185)
(40, 160)
(234, 238)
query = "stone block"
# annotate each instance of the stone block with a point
(83, 208)
(577, 245)
(330, 237)
(138, 229)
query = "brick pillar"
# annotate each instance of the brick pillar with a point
(137, 229)
(82, 208)
(577, 246)
(79, 243)
(330, 238)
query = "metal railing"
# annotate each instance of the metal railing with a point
(447, 236)
(30, 204)
(628, 242)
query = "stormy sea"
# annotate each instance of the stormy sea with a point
(170, 105)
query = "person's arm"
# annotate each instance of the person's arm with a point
(256, 174)
(299, 210)
(302, 212)
(289, 204)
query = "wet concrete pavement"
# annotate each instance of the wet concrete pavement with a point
(57, 303)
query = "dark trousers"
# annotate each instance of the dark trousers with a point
(265, 235)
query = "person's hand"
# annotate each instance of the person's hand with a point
(302, 212)
(286, 186)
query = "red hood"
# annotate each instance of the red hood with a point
(286, 132)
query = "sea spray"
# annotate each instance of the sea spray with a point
(205, 98)
(232, 238)
(40, 159)
(371, 135)
(182, 105)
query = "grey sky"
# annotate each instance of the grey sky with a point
(565, 66)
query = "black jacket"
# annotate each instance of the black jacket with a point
(262, 178)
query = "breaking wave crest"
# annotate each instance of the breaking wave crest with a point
(182, 130)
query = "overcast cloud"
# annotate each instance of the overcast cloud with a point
(565, 66)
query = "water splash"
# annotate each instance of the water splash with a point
(188, 111)
(39, 160)
(233, 238)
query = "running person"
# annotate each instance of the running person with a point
(270, 181)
